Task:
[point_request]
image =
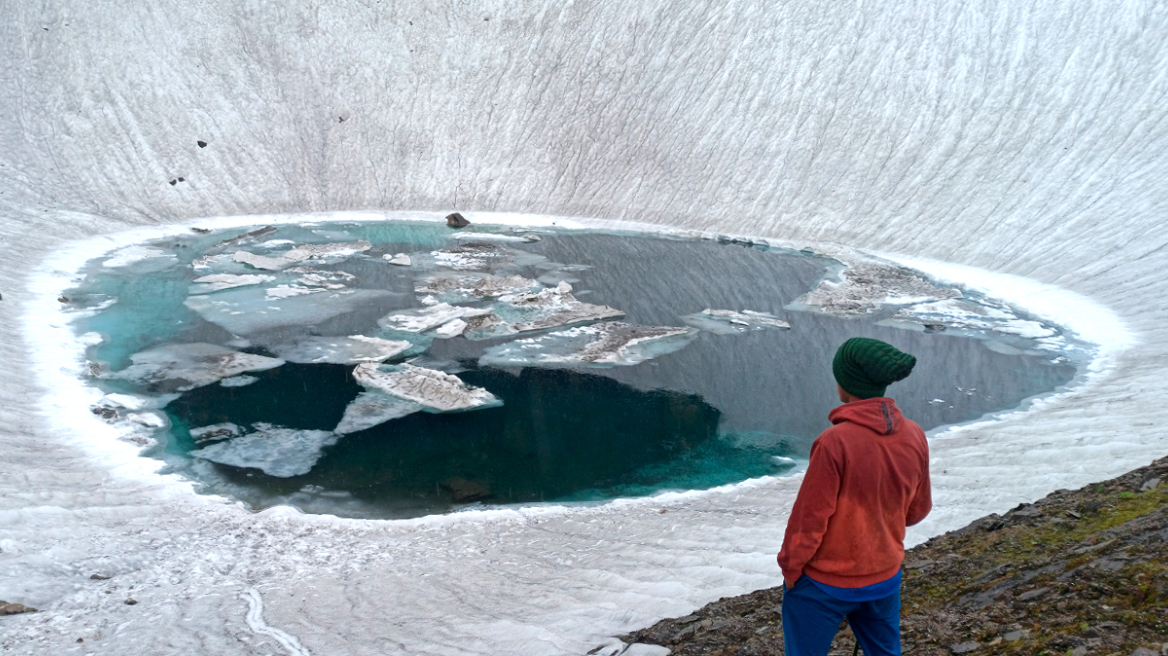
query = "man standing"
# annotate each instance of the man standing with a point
(867, 480)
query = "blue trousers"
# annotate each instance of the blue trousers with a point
(811, 618)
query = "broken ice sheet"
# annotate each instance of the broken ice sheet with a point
(249, 310)
(599, 345)
(184, 367)
(219, 281)
(215, 432)
(550, 308)
(468, 287)
(729, 322)
(340, 350)
(277, 451)
(437, 391)
(482, 256)
(374, 407)
(419, 320)
(962, 314)
(864, 287)
(301, 253)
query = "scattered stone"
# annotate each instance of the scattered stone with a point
(173, 182)
(15, 609)
(105, 412)
(464, 490)
(1150, 484)
(1033, 594)
(1073, 514)
(98, 577)
(202, 144)
(965, 647)
(1142, 651)
(130, 602)
(182, 179)
(1015, 636)
(456, 220)
(688, 619)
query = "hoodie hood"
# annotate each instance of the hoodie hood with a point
(879, 414)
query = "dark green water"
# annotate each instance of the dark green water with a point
(724, 408)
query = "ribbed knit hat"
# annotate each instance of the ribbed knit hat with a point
(864, 367)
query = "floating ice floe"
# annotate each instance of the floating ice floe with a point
(249, 310)
(219, 281)
(400, 259)
(867, 286)
(435, 390)
(482, 256)
(340, 350)
(551, 308)
(372, 408)
(154, 259)
(300, 254)
(238, 381)
(492, 236)
(132, 402)
(419, 320)
(961, 314)
(463, 287)
(729, 322)
(215, 432)
(184, 367)
(602, 344)
(275, 450)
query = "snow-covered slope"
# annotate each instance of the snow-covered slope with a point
(1022, 138)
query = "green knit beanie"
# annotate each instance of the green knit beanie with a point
(864, 367)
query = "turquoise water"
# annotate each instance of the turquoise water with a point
(705, 407)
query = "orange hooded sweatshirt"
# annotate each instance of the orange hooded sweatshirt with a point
(867, 480)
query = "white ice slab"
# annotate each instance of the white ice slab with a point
(435, 390)
(729, 322)
(868, 285)
(219, 281)
(277, 451)
(340, 350)
(550, 308)
(400, 259)
(249, 310)
(420, 320)
(187, 366)
(602, 344)
(301, 253)
(372, 408)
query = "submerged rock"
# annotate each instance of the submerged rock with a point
(603, 344)
(465, 491)
(435, 390)
(184, 367)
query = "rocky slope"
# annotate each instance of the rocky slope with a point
(1079, 572)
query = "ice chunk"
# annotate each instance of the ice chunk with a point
(134, 254)
(184, 367)
(962, 314)
(461, 288)
(491, 236)
(132, 402)
(729, 322)
(866, 286)
(215, 432)
(420, 320)
(219, 281)
(301, 253)
(248, 310)
(238, 381)
(452, 329)
(603, 344)
(482, 256)
(550, 308)
(371, 408)
(277, 451)
(340, 350)
(435, 390)
(401, 259)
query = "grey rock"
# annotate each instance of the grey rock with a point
(15, 609)
(456, 220)
(1148, 486)
(1015, 636)
(965, 647)
(1033, 594)
(1144, 651)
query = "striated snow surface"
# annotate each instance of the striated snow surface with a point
(1013, 146)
